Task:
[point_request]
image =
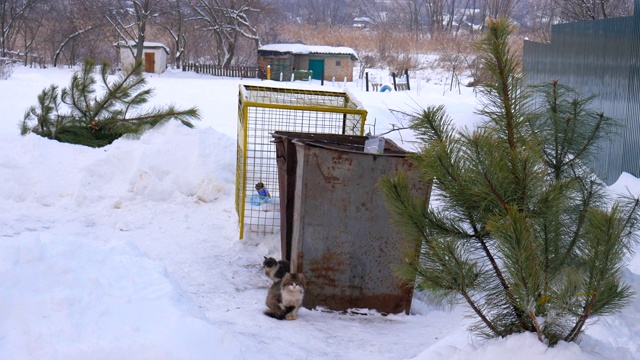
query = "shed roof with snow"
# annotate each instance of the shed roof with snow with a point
(146, 45)
(302, 49)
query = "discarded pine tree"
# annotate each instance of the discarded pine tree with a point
(80, 115)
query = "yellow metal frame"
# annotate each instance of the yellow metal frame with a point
(263, 110)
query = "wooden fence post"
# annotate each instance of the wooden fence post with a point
(406, 74)
(366, 81)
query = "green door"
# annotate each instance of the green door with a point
(317, 66)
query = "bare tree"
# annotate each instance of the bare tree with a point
(68, 22)
(286, 11)
(436, 15)
(577, 10)
(542, 14)
(474, 19)
(174, 23)
(330, 12)
(12, 14)
(130, 18)
(229, 21)
(501, 8)
(29, 27)
(414, 12)
(376, 11)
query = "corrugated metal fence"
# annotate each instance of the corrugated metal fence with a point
(600, 57)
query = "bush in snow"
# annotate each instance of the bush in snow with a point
(79, 115)
(520, 228)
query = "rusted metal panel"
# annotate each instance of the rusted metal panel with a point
(342, 238)
(287, 164)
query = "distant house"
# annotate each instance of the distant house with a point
(154, 56)
(331, 61)
(362, 22)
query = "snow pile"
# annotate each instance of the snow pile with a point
(69, 298)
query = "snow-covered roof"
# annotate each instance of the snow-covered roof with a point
(301, 49)
(147, 44)
(363, 19)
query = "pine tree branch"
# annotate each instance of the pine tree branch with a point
(536, 325)
(73, 97)
(631, 220)
(581, 220)
(582, 319)
(590, 141)
(112, 92)
(479, 313)
(145, 118)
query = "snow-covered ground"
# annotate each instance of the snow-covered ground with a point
(131, 251)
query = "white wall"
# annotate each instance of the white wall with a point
(127, 59)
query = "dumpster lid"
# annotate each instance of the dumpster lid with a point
(347, 143)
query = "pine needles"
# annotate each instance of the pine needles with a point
(521, 230)
(79, 115)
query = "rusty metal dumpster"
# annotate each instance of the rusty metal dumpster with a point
(335, 227)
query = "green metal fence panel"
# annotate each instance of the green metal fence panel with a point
(602, 58)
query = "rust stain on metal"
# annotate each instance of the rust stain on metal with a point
(384, 303)
(341, 159)
(326, 176)
(327, 269)
(334, 284)
(299, 262)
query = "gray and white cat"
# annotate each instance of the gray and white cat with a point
(285, 297)
(275, 269)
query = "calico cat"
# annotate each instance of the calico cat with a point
(285, 297)
(275, 270)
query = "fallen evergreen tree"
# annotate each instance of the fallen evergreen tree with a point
(80, 115)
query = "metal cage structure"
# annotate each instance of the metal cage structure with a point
(263, 110)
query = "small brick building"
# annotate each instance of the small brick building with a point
(332, 61)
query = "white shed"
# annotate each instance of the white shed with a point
(154, 56)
